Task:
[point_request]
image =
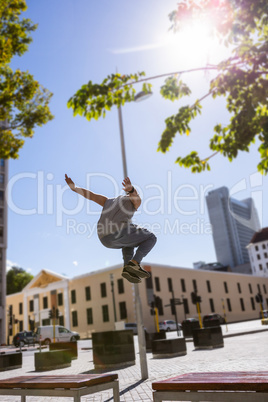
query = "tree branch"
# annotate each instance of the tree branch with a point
(209, 157)
(174, 73)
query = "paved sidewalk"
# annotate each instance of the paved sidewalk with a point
(242, 352)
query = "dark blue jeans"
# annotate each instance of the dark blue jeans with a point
(128, 239)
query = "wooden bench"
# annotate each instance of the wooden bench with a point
(60, 385)
(236, 386)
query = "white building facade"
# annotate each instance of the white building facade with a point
(258, 253)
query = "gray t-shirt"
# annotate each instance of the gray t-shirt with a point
(116, 214)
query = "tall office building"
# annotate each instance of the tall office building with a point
(233, 225)
(3, 247)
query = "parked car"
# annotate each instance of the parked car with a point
(169, 325)
(189, 320)
(24, 338)
(133, 326)
(45, 334)
(211, 317)
(265, 313)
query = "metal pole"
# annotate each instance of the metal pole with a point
(112, 289)
(122, 140)
(175, 310)
(182, 299)
(141, 334)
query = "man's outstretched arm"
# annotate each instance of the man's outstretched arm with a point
(132, 192)
(98, 198)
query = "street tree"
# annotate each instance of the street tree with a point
(23, 101)
(16, 279)
(241, 79)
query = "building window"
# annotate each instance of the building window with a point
(211, 302)
(103, 289)
(20, 308)
(258, 256)
(208, 287)
(252, 303)
(225, 287)
(256, 248)
(74, 319)
(73, 296)
(2, 162)
(123, 310)
(89, 316)
(31, 305)
(265, 255)
(1, 195)
(157, 284)
(194, 285)
(239, 287)
(120, 286)
(183, 287)
(229, 306)
(259, 288)
(105, 313)
(250, 288)
(46, 321)
(242, 304)
(264, 288)
(60, 299)
(88, 293)
(2, 178)
(45, 303)
(21, 325)
(186, 306)
(61, 320)
(260, 266)
(170, 287)
(263, 246)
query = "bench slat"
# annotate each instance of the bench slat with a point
(224, 381)
(56, 381)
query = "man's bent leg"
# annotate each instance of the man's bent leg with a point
(145, 247)
(128, 253)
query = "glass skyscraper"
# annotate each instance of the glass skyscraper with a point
(233, 225)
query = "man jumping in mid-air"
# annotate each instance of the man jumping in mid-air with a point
(115, 229)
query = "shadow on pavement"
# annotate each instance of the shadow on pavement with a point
(129, 388)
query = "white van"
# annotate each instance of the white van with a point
(45, 334)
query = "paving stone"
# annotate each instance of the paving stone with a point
(243, 352)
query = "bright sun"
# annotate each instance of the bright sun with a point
(194, 46)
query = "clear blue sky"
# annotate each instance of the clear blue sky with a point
(80, 40)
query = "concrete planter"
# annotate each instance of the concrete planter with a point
(188, 327)
(10, 361)
(68, 347)
(164, 348)
(113, 349)
(150, 337)
(52, 360)
(208, 338)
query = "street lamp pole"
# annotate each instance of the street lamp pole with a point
(141, 334)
